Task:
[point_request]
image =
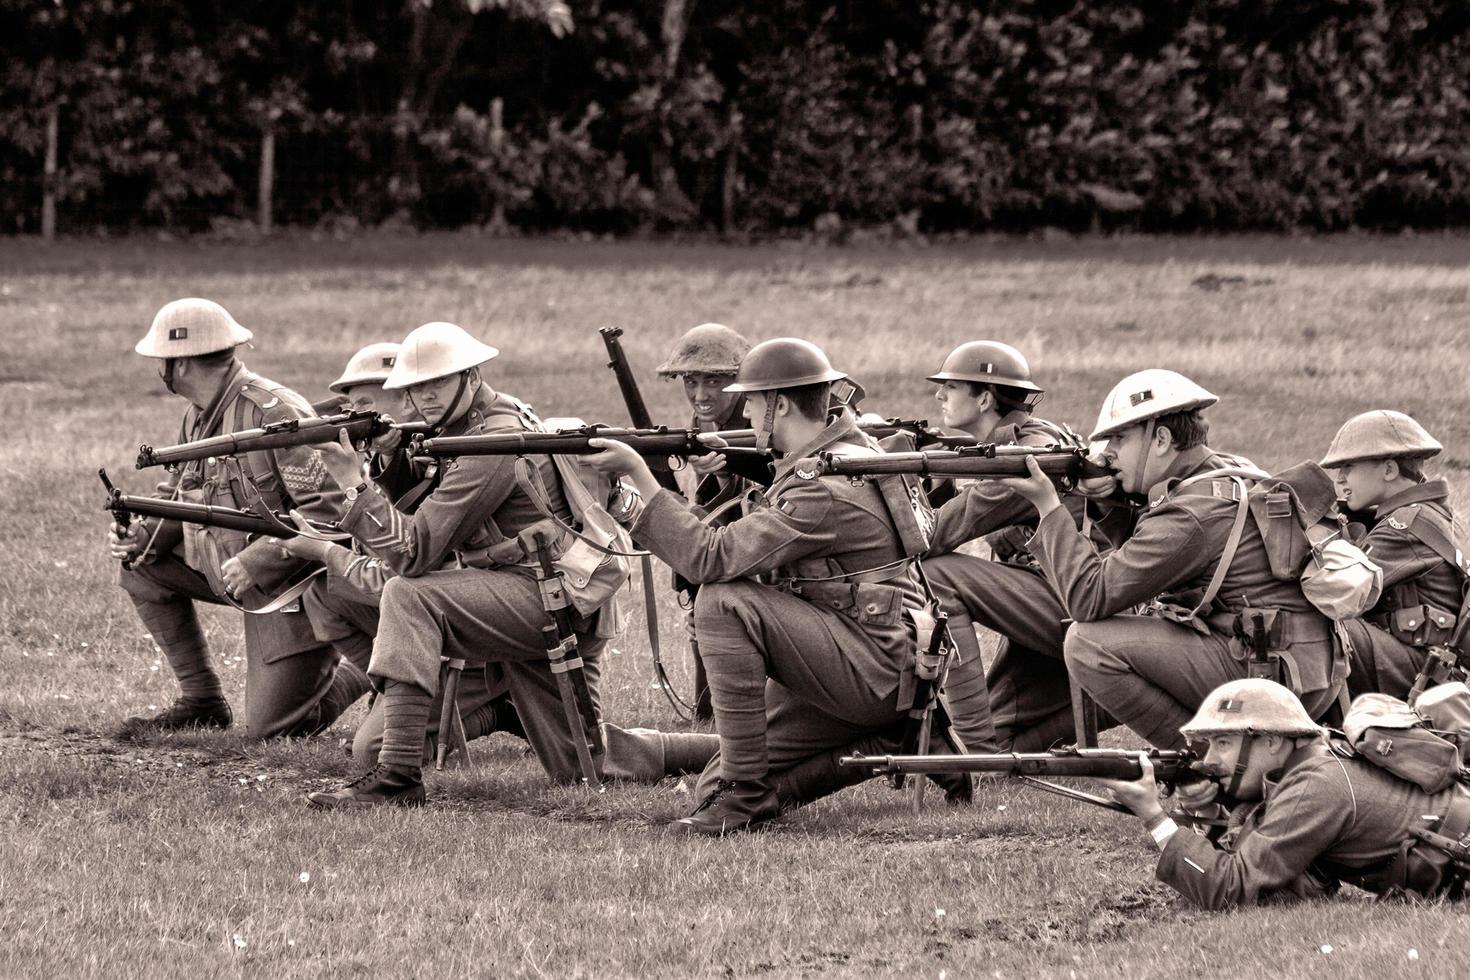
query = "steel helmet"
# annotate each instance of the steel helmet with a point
(371, 364)
(785, 362)
(987, 362)
(436, 350)
(191, 327)
(1252, 706)
(710, 348)
(1147, 395)
(1380, 435)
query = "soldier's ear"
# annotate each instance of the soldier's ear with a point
(1390, 470)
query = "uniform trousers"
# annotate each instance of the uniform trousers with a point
(347, 617)
(292, 684)
(1152, 674)
(750, 632)
(1379, 661)
(1030, 696)
(483, 615)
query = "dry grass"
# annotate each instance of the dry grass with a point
(152, 860)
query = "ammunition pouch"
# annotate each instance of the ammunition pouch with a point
(1420, 625)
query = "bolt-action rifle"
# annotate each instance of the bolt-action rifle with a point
(657, 444)
(1064, 464)
(125, 506)
(362, 427)
(638, 414)
(1170, 767)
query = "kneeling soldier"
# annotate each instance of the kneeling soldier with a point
(1193, 556)
(463, 588)
(1379, 462)
(294, 684)
(808, 589)
(1320, 816)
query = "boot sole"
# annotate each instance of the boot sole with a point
(686, 827)
(324, 801)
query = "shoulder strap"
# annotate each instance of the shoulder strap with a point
(1232, 544)
(1439, 543)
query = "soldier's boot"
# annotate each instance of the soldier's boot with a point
(966, 695)
(174, 626)
(734, 805)
(183, 713)
(385, 784)
(499, 715)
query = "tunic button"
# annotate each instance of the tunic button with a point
(872, 608)
(836, 603)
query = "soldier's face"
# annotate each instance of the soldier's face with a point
(964, 406)
(1268, 752)
(1361, 485)
(373, 398)
(431, 398)
(1127, 453)
(707, 395)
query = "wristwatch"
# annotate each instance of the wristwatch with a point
(352, 493)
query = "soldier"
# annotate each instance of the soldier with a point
(705, 360)
(1379, 462)
(1319, 817)
(486, 605)
(294, 684)
(986, 389)
(808, 589)
(343, 604)
(1192, 555)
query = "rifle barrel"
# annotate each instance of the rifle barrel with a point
(1097, 763)
(279, 435)
(1058, 464)
(208, 515)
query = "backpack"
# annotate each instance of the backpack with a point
(1293, 511)
(1410, 742)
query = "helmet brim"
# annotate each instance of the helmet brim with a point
(811, 379)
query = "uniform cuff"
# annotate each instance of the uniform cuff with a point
(1161, 828)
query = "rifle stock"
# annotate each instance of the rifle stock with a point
(1169, 766)
(125, 506)
(361, 427)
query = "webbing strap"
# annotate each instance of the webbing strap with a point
(1232, 544)
(281, 601)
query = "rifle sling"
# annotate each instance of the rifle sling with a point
(282, 600)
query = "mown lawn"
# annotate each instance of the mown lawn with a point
(192, 856)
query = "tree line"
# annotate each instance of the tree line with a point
(725, 115)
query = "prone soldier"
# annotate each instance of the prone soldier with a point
(1311, 817)
(1379, 462)
(294, 683)
(464, 585)
(808, 589)
(1193, 557)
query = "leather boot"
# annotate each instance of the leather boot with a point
(384, 784)
(734, 805)
(183, 713)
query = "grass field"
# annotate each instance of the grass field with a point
(193, 856)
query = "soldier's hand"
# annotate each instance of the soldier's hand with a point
(237, 580)
(1036, 487)
(708, 463)
(1140, 795)
(301, 546)
(343, 462)
(1097, 487)
(1196, 793)
(124, 543)
(621, 459)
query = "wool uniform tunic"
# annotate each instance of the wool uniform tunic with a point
(1420, 589)
(292, 684)
(491, 613)
(807, 589)
(1152, 673)
(1324, 819)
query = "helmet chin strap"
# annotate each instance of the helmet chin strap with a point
(167, 374)
(464, 382)
(767, 428)
(1144, 458)
(1242, 763)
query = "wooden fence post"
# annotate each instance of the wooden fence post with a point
(48, 182)
(266, 190)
